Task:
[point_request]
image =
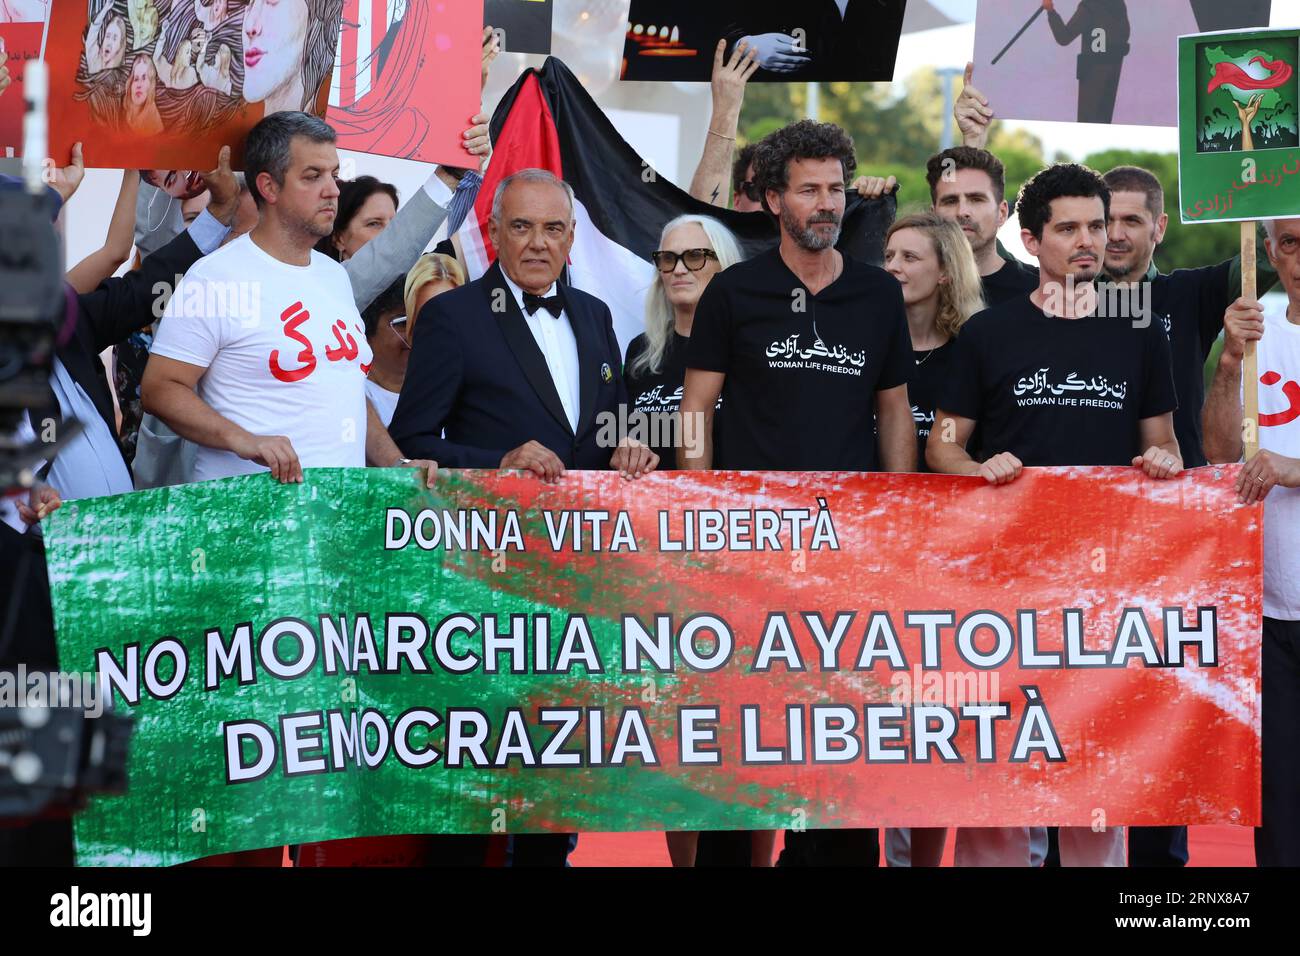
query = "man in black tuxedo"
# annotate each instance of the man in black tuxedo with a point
(516, 371)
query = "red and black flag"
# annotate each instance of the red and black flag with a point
(548, 121)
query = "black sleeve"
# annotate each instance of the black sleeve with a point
(121, 305)
(900, 363)
(963, 392)
(611, 345)
(1158, 395)
(1064, 33)
(1217, 291)
(429, 391)
(709, 347)
(635, 348)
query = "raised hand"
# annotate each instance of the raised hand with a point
(223, 185)
(66, 180)
(972, 112)
(729, 77)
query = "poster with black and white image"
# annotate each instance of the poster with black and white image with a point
(814, 40)
(523, 25)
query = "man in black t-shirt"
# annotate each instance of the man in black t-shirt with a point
(1187, 303)
(807, 348)
(1052, 379)
(968, 186)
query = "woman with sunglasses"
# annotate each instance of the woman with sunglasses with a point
(692, 250)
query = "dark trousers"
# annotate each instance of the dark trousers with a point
(524, 849)
(724, 848)
(1277, 842)
(41, 843)
(1098, 87)
(830, 848)
(1157, 846)
(541, 849)
(27, 637)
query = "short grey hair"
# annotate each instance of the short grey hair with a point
(267, 148)
(531, 176)
(1270, 226)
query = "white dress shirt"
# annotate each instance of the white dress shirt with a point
(559, 347)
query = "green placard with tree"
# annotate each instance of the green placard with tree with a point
(1239, 136)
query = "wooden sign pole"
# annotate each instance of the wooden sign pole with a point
(1250, 366)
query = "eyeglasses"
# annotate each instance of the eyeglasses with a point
(400, 320)
(694, 259)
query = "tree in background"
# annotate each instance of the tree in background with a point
(896, 132)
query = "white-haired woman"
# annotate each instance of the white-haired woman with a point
(692, 250)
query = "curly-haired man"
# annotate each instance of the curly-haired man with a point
(810, 351)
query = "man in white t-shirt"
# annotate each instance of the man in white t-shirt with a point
(1271, 476)
(261, 358)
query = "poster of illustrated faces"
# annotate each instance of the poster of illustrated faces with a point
(187, 67)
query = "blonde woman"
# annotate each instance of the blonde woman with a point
(390, 325)
(180, 73)
(433, 274)
(140, 108)
(692, 250)
(216, 75)
(933, 262)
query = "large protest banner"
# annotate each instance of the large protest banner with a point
(358, 655)
(1238, 129)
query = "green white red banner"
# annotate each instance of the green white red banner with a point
(358, 655)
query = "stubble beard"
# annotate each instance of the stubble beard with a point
(805, 236)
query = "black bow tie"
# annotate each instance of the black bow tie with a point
(553, 304)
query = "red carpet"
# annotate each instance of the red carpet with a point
(1209, 846)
